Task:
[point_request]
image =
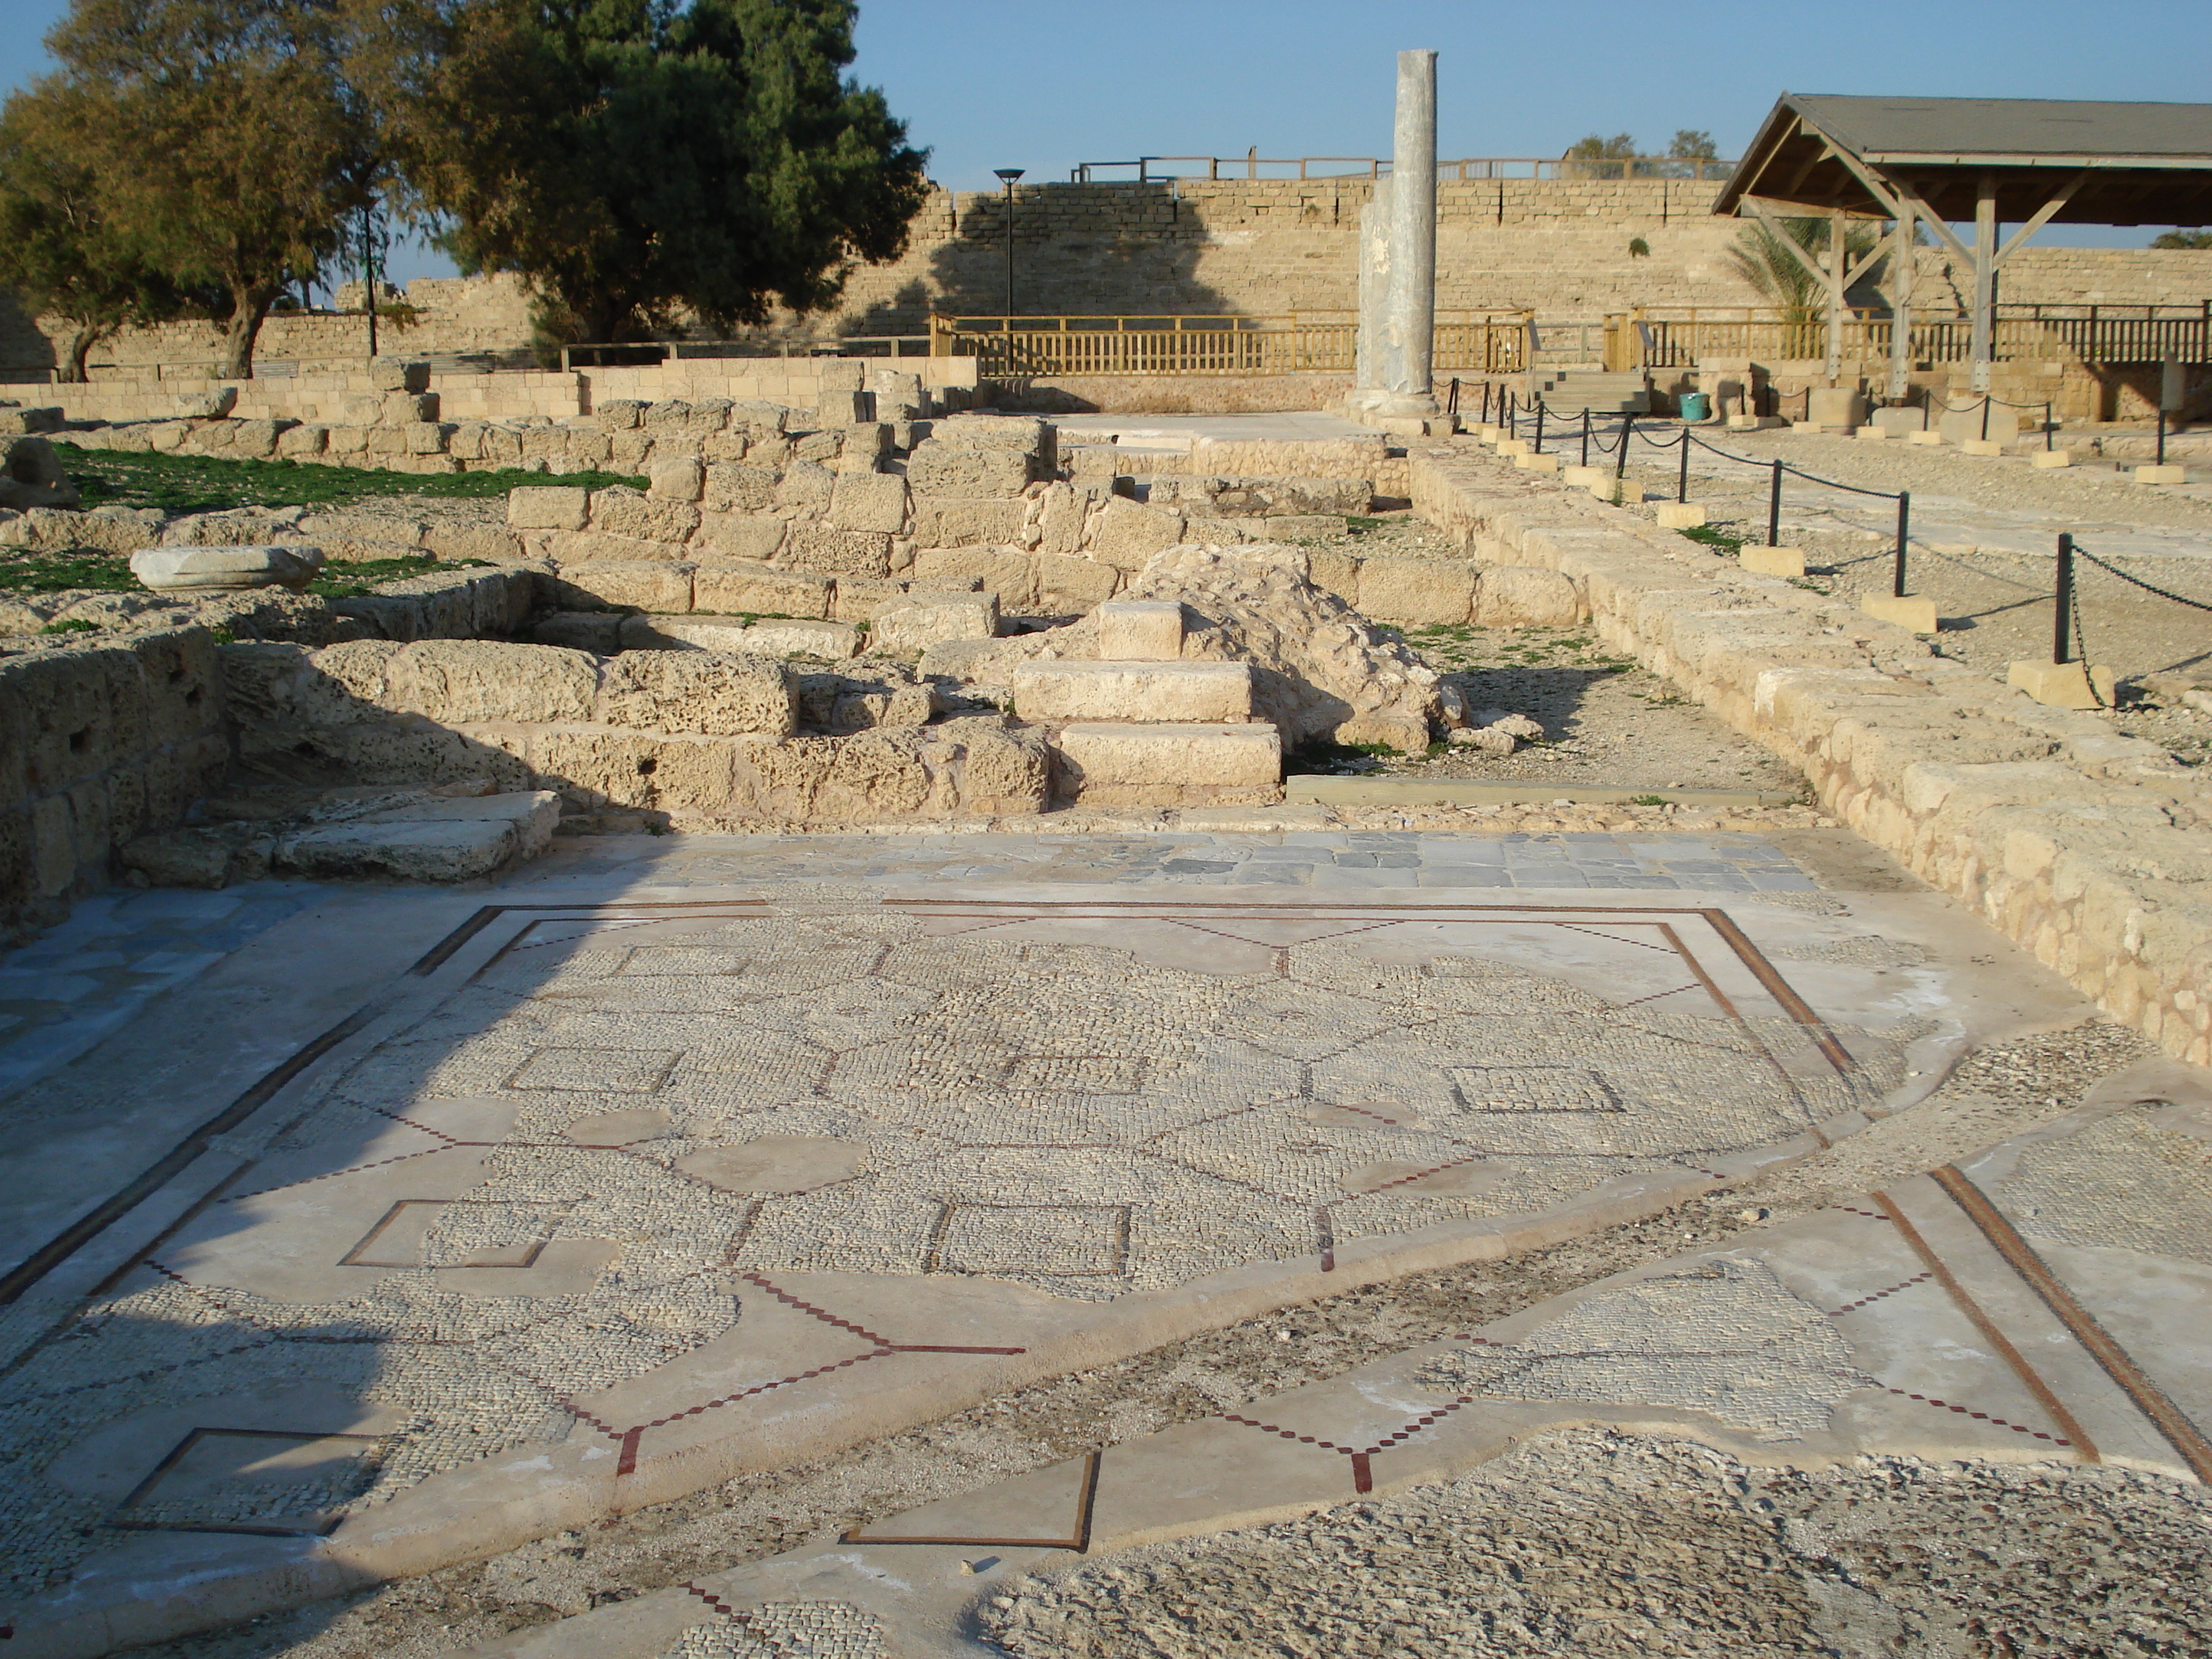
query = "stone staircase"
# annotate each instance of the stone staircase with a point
(1139, 726)
(1569, 392)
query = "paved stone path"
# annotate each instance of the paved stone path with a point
(677, 1158)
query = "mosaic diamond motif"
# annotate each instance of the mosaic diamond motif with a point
(1058, 1240)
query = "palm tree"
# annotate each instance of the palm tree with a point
(1761, 259)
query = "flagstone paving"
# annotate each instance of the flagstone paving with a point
(669, 1163)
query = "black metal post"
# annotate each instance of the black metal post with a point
(1620, 468)
(1452, 407)
(1985, 417)
(1485, 402)
(1006, 176)
(1904, 530)
(1512, 423)
(1682, 472)
(1539, 427)
(2047, 428)
(2061, 626)
(2162, 437)
(1774, 507)
(1586, 434)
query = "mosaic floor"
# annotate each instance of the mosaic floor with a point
(644, 1175)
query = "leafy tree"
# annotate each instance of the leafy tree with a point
(225, 144)
(57, 247)
(640, 160)
(2189, 238)
(1596, 148)
(1690, 145)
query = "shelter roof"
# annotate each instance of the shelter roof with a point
(2144, 163)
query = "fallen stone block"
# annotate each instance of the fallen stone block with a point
(756, 590)
(1115, 764)
(1139, 631)
(1142, 692)
(220, 570)
(457, 840)
(922, 618)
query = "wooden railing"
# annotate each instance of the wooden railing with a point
(2093, 334)
(1147, 168)
(1014, 347)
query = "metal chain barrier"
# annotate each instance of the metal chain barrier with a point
(2137, 582)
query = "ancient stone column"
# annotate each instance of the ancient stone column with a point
(1398, 289)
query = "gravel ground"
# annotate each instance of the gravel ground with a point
(1997, 1092)
(1587, 1543)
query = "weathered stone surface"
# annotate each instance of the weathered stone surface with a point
(652, 586)
(1125, 534)
(869, 500)
(390, 375)
(548, 508)
(699, 691)
(1067, 584)
(31, 475)
(756, 590)
(731, 487)
(806, 486)
(830, 640)
(572, 547)
(218, 569)
(622, 511)
(457, 682)
(596, 631)
(681, 478)
(939, 468)
(1201, 692)
(1108, 764)
(958, 521)
(207, 406)
(737, 536)
(458, 839)
(596, 766)
(675, 633)
(1513, 596)
(211, 857)
(1141, 631)
(1418, 592)
(1006, 571)
(923, 617)
(875, 694)
(856, 552)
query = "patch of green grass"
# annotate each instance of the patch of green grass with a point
(206, 483)
(1647, 801)
(1356, 526)
(1706, 536)
(51, 573)
(72, 625)
(352, 580)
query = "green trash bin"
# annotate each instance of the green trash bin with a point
(1694, 406)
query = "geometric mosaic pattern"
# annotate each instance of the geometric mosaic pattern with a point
(621, 1130)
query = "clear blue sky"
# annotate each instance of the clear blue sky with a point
(990, 83)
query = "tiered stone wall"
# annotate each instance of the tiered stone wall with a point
(2086, 847)
(1560, 247)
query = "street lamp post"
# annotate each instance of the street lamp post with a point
(1006, 176)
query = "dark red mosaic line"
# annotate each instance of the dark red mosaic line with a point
(1363, 1478)
(1902, 1285)
(1983, 1417)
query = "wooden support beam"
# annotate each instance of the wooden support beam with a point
(2043, 216)
(1985, 279)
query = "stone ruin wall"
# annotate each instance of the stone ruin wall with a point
(1193, 246)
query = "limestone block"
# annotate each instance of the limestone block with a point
(756, 590)
(698, 690)
(1515, 595)
(1107, 763)
(941, 468)
(724, 536)
(1955, 426)
(834, 640)
(501, 447)
(1533, 463)
(1334, 571)
(596, 767)
(1688, 515)
(1981, 446)
(539, 507)
(1141, 631)
(855, 552)
(2063, 684)
(806, 486)
(589, 547)
(1061, 510)
(1420, 591)
(2161, 474)
(865, 447)
(1026, 434)
(215, 569)
(300, 442)
(1125, 534)
(455, 682)
(941, 521)
(820, 448)
(613, 585)
(1068, 584)
(456, 542)
(630, 451)
(1007, 571)
(1837, 406)
(1292, 527)
(596, 631)
(409, 408)
(1928, 439)
(471, 838)
(856, 780)
(759, 418)
(681, 479)
(207, 406)
(732, 488)
(922, 618)
(869, 500)
(726, 635)
(1916, 614)
(2042, 458)
(392, 374)
(1202, 692)
(622, 511)
(619, 414)
(837, 410)
(1763, 560)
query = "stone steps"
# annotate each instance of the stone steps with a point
(1127, 763)
(1134, 693)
